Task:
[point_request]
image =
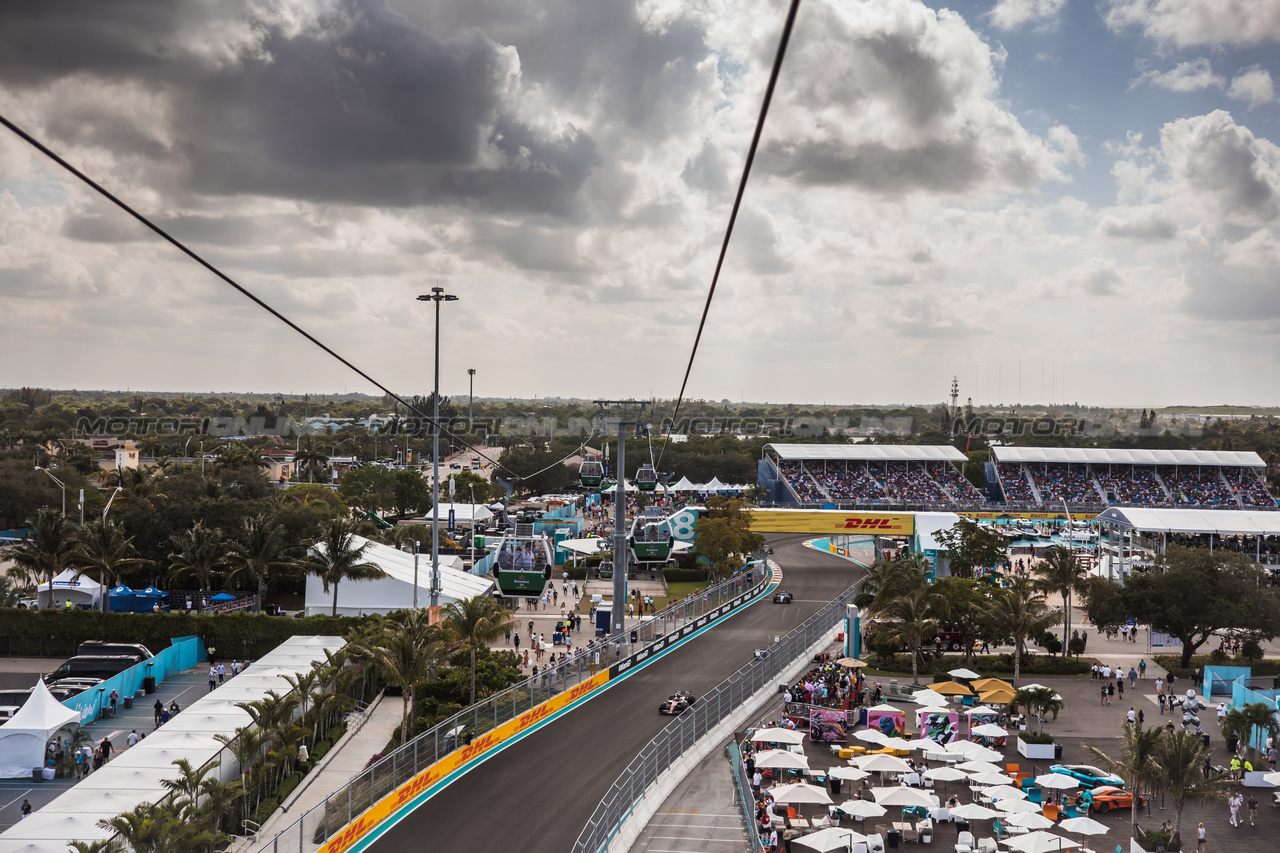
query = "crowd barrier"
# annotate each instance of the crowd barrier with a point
(183, 654)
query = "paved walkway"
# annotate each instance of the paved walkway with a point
(700, 816)
(338, 767)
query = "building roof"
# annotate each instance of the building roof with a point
(1221, 521)
(866, 452)
(1105, 456)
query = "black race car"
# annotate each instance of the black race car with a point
(677, 703)
(782, 597)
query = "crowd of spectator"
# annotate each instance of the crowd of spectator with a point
(800, 481)
(951, 479)
(909, 482)
(1013, 480)
(1056, 480)
(1198, 486)
(854, 484)
(1250, 487)
(1134, 484)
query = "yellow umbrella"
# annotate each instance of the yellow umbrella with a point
(950, 688)
(998, 696)
(989, 684)
(851, 663)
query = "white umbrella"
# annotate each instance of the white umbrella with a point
(982, 753)
(1029, 820)
(897, 743)
(928, 697)
(800, 793)
(945, 774)
(973, 811)
(781, 759)
(1057, 781)
(962, 673)
(1018, 806)
(988, 777)
(882, 764)
(777, 736)
(853, 774)
(923, 743)
(831, 838)
(1005, 792)
(978, 767)
(1039, 842)
(861, 809)
(1084, 826)
(871, 736)
(989, 730)
(903, 796)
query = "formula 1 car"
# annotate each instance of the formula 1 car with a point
(677, 703)
(782, 598)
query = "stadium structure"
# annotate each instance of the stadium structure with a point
(932, 477)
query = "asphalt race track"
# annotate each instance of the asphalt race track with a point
(537, 794)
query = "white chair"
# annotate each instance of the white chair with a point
(875, 844)
(860, 847)
(987, 845)
(964, 842)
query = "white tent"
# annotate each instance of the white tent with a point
(465, 514)
(24, 737)
(683, 486)
(714, 486)
(68, 586)
(612, 489)
(395, 591)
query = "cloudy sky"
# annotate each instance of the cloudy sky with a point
(1086, 193)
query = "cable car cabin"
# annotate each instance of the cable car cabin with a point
(590, 473)
(646, 478)
(652, 538)
(523, 564)
(606, 568)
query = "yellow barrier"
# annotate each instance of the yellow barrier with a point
(831, 521)
(391, 803)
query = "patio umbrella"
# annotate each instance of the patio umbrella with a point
(963, 673)
(1084, 826)
(997, 695)
(1018, 806)
(1057, 781)
(776, 735)
(945, 775)
(979, 767)
(862, 809)
(973, 811)
(871, 736)
(882, 764)
(1039, 842)
(897, 743)
(984, 684)
(799, 794)
(781, 759)
(831, 838)
(990, 777)
(1029, 820)
(851, 663)
(983, 753)
(1005, 792)
(950, 688)
(924, 743)
(852, 774)
(902, 796)
(989, 730)
(928, 697)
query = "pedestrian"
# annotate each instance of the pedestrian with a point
(756, 779)
(1200, 838)
(773, 839)
(1093, 672)
(1131, 717)
(156, 709)
(1159, 686)
(1253, 809)
(106, 748)
(1133, 676)
(115, 699)
(1222, 713)
(235, 668)
(1273, 756)
(1120, 685)
(26, 809)
(1104, 694)
(1235, 802)
(1141, 717)
(1160, 701)
(213, 678)
(222, 672)
(132, 740)
(1142, 669)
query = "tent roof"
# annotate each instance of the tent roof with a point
(684, 485)
(462, 514)
(1104, 456)
(867, 452)
(454, 583)
(68, 578)
(40, 713)
(1220, 521)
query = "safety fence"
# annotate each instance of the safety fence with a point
(183, 654)
(683, 733)
(395, 779)
(745, 799)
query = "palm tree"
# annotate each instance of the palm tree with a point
(47, 549)
(137, 485)
(407, 651)
(1136, 764)
(309, 457)
(1060, 572)
(258, 550)
(878, 580)
(105, 549)
(1019, 613)
(1241, 722)
(336, 558)
(913, 616)
(1179, 772)
(199, 553)
(1039, 702)
(107, 845)
(475, 622)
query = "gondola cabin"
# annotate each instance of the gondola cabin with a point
(523, 564)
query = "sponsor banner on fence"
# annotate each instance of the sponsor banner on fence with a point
(402, 795)
(1029, 516)
(831, 521)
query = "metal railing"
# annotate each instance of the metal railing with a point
(683, 732)
(746, 800)
(388, 772)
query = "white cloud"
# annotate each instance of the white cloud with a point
(1014, 14)
(1253, 85)
(1191, 23)
(1192, 76)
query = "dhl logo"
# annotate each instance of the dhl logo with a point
(347, 838)
(855, 523)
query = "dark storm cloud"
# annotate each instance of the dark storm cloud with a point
(359, 106)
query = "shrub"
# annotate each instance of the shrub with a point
(265, 808)
(1152, 838)
(289, 785)
(684, 575)
(337, 732)
(1036, 737)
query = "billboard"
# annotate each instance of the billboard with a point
(828, 726)
(832, 521)
(942, 727)
(890, 723)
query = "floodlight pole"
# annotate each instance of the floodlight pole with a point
(60, 484)
(437, 296)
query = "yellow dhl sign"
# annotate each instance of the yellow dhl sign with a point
(831, 521)
(392, 802)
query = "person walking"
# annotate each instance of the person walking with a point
(1253, 809)
(156, 709)
(1142, 669)
(105, 748)
(1200, 838)
(213, 679)
(222, 672)
(1133, 677)
(26, 809)
(132, 740)
(1234, 801)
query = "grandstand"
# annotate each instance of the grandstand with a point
(1155, 478)
(858, 474)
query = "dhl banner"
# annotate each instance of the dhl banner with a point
(455, 760)
(831, 521)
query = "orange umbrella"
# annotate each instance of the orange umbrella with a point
(950, 688)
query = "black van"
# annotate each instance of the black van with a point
(92, 666)
(101, 647)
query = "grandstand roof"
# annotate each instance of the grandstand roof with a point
(867, 452)
(1221, 521)
(1104, 456)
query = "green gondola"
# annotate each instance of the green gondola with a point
(590, 473)
(523, 564)
(646, 478)
(652, 538)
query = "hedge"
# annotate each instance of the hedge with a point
(57, 633)
(684, 575)
(988, 665)
(1173, 664)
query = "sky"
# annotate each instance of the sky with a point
(1051, 201)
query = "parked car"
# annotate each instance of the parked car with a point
(91, 666)
(1087, 775)
(1106, 797)
(100, 647)
(677, 703)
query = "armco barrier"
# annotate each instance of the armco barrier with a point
(184, 653)
(683, 733)
(404, 778)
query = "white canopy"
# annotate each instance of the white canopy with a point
(78, 589)
(683, 485)
(25, 735)
(868, 452)
(1219, 521)
(462, 514)
(614, 488)
(395, 591)
(586, 547)
(1108, 456)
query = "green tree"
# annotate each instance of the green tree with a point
(309, 458)
(47, 550)
(968, 601)
(1242, 722)
(1019, 613)
(104, 550)
(971, 546)
(467, 483)
(1178, 771)
(258, 550)
(407, 650)
(370, 487)
(336, 558)
(198, 552)
(1062, 573)
(1039, 702)
(410, 492)
(1136, 765)
(724, 536)
(912, 615)
(475, 622)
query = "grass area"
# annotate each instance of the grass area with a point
(675, 590)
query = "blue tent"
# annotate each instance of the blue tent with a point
(222, 596)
